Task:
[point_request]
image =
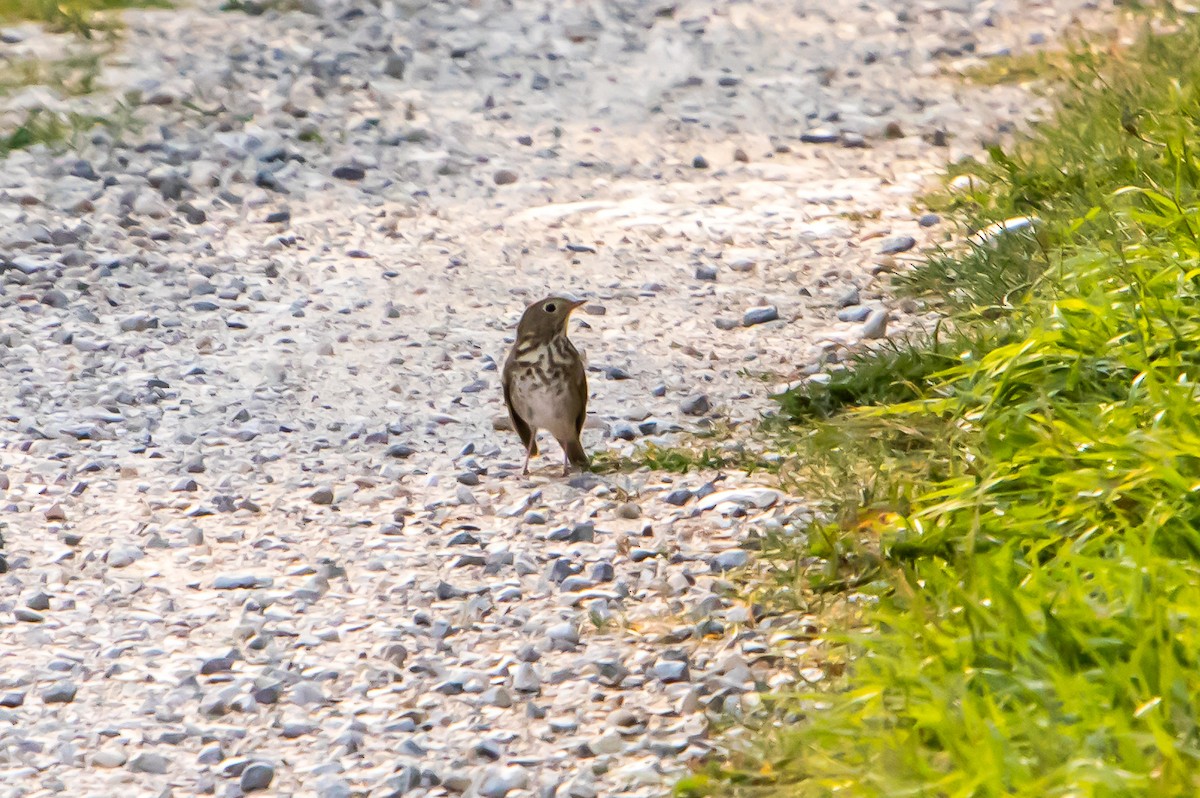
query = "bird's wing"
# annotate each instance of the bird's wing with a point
(579, 389)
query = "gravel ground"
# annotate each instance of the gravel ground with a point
(265, 530)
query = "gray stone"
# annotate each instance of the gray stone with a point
(670, 670)
(526, 679)
(854, 314)
(820, 135)
(499, 782)
(149, 762)
(850, 297)
(760, 315)
(876, 324)
(257, 776)
(891, 246)
(729, 560)
(60, 693)
(678, 497)
(695, 405)
(239, 582)
(123, 555)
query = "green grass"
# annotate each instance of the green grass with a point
(83, 17)
(70, 76)
(681, 459)
(45, 127)
(1014, 501)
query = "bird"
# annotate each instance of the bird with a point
(545, 384)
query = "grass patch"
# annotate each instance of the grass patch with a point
(682, 459)
(72, 76)
(83, 17)
(1017, 503)
(1048, 65)
(41, 126)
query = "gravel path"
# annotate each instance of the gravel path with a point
(262, 530)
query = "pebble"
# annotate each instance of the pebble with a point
(729, 560)
(504, 177)
(854, 314)
(526, 679)
(109, 757)
(891, 246)
(499, 782)
(760, 315)
(629, 510)
(876, 324)
(349, 172)
(695, 405)
(670, 671)
(149, 762)
(123, 555)
(257, 776)
(60, 693)
(820, 135)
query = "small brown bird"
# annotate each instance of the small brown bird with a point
(545, 386)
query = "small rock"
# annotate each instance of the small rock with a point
(497, 783)
(236, 582)
(671, 670)
(876, 324)
(149, 762)
(695, 405)
(895, 244)
(60, 693)
(699, 162)
(123, 555)
(759, 315)
(929, 220)
(850, 297)
(504, 177)
(109, 757)
(257, 776)
(322, 495)
(762, 498)
(678, 497)
(349, 172)
(854, 314)
(729, 560)
(820, 135)
(706, 272)
(526, 679)
(629, 510)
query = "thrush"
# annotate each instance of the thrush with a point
(545, 387)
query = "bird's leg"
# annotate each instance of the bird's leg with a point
(528, 454)
(566, 464)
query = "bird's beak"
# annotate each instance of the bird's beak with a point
(576, 303)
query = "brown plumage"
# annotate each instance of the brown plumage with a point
(545, 386)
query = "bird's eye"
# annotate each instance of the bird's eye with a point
(550, 307)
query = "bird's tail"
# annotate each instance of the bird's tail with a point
(576, 455)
